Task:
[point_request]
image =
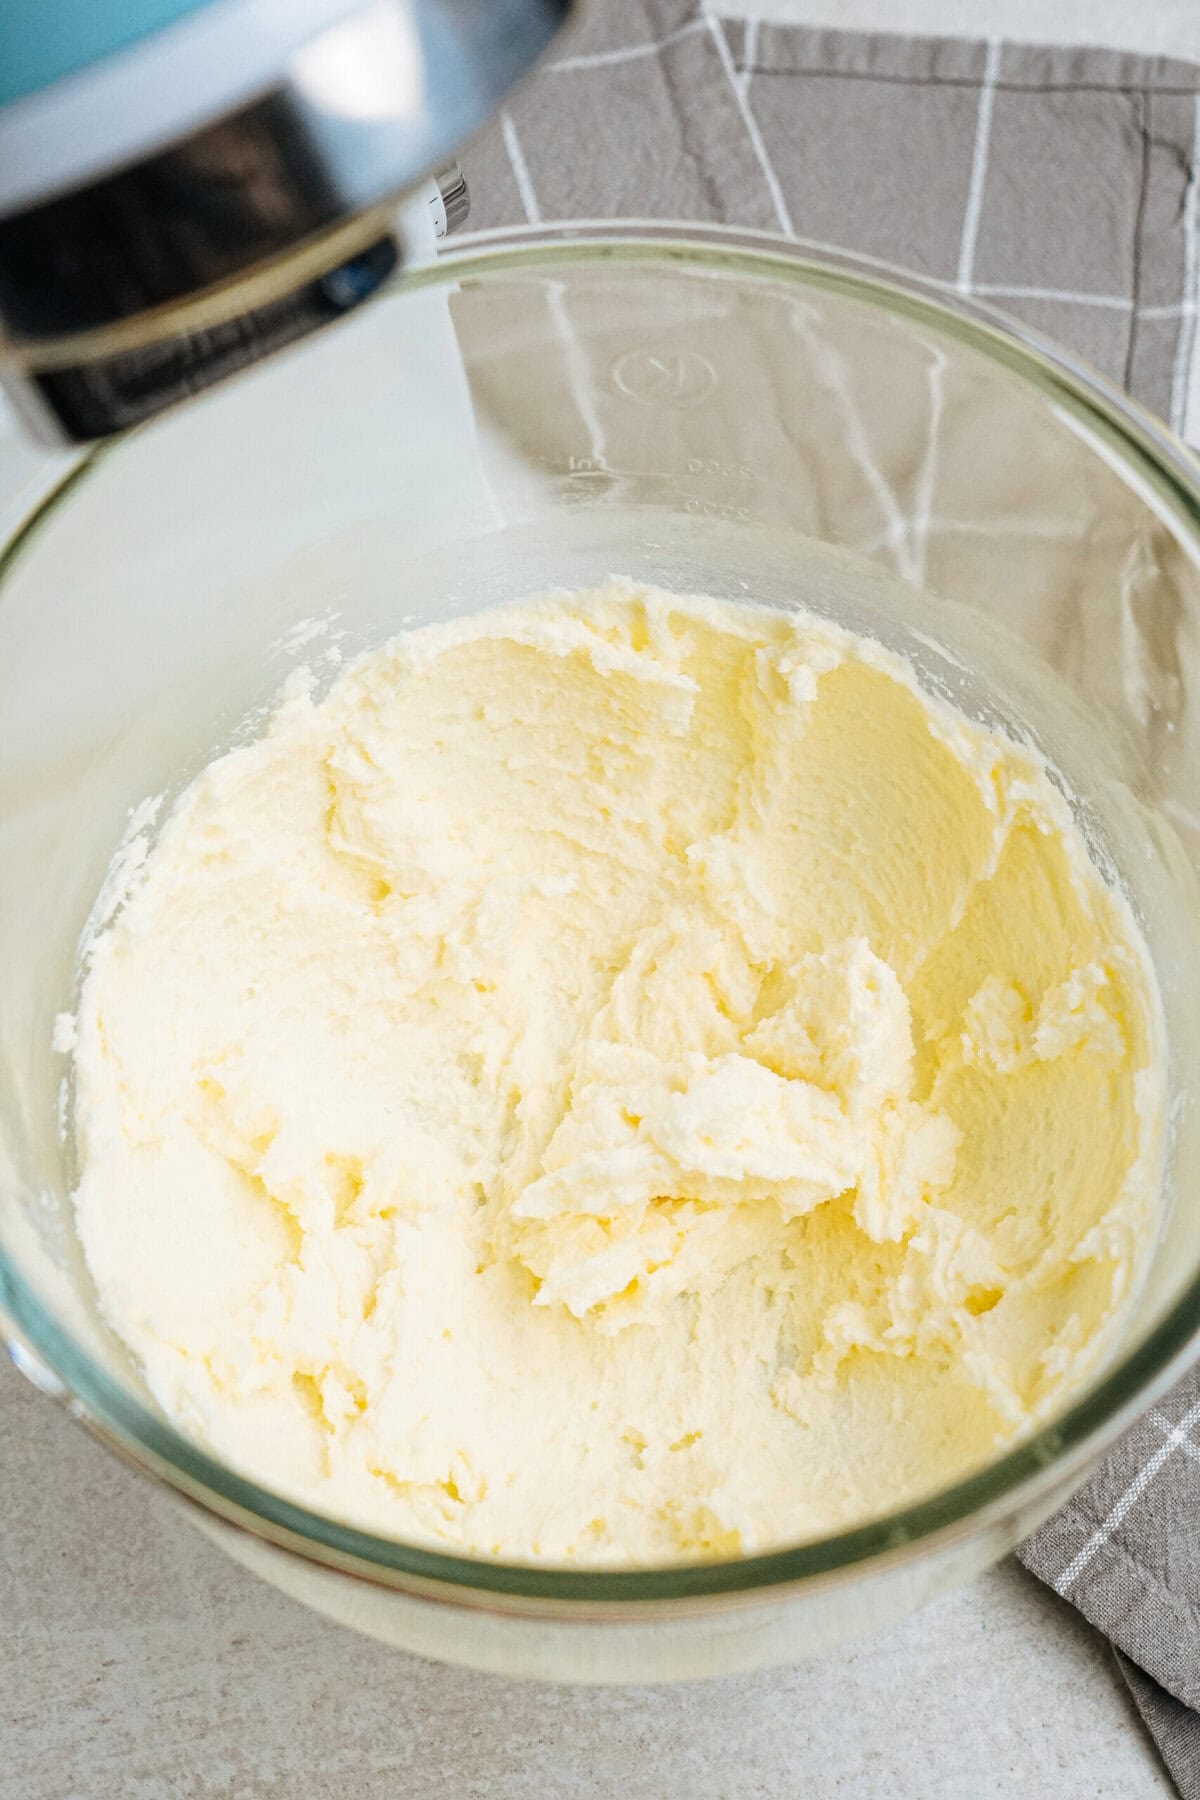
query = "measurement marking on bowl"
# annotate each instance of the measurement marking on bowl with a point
(599, 465)
(670, 378)
(724, 471)
(696, 465)
(596, 467)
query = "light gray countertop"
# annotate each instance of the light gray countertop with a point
(143, 1665)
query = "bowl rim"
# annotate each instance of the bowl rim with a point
(1024, 1481)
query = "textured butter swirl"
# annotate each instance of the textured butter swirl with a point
(620, 1077)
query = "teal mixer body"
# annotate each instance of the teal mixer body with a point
(185, 185)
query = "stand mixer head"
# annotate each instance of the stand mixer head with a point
(187, 185)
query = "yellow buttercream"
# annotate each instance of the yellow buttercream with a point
(620, 1078)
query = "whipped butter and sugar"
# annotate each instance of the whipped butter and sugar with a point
(621, 1078)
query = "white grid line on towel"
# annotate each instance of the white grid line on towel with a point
(1163, 1424)
(782, 214)
(750, 49)
(520, 169)
(973, 210)
(740, 76)
(627, 53)
(1185, 350)
(1175, 1439)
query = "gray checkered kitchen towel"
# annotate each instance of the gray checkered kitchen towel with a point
(1062, 184)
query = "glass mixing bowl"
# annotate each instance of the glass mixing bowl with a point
(715, 412)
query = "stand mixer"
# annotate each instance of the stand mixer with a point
(187, 185)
